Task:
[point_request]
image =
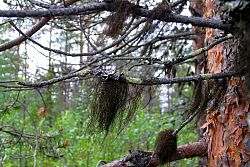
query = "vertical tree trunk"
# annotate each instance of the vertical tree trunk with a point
(226, 127)
(197, 9)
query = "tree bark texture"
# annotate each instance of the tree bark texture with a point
(226, 127)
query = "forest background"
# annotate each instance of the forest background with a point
(47, 125)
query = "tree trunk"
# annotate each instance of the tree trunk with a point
(226, 121)
(197, 9)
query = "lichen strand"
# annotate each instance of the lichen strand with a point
(166, 145)
(117, 19)
(84, 73)
(112, 106)
(134, 80)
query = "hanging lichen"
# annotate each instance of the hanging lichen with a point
(166, 145)
(117, 19)
(113, 106)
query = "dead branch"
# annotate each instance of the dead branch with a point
(33, 30)
(139, 11)
(141, 158)
(130, 80)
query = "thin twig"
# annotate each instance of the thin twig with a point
(80, 54)
(13, 103)
(36, 147)
(43, 21)
(201, 50)
(44, 103)
(58, 156)
(3, 151)
(190, 118)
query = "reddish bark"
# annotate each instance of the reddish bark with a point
(227, 128)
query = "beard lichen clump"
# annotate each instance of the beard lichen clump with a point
(112, 106)
(117, 19)
(166, 145)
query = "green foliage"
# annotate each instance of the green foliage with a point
(60, 138)
(63, 138)
(83, 149)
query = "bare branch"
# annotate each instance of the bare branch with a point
(195, 21)
(141, 158)
(43, 5)
(199, 51)
(49, 13)
(131, 80)
(80, 54)
(53, 12)
(32, 31)
(159, 81)
(179, 59)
